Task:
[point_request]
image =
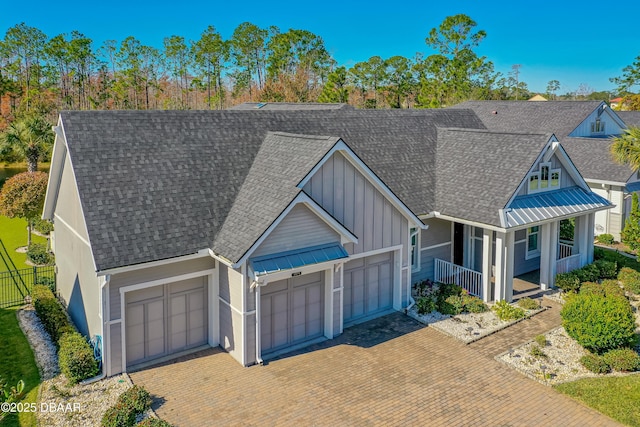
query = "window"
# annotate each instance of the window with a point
(415, 249)
(533, 242)
(544, 179)
(597, 126)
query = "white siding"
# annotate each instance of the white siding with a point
(299, 229)
(354, 201)
(231, 312)
(68, 204)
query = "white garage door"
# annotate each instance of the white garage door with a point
(166, 319)
(291, 311)
(368, 287)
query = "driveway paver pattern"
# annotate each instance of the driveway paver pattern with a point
(389, 371)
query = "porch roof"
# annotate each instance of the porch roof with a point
(539, 207)
(297, 258)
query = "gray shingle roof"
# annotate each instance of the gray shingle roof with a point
(591, 157)
(630, 118)
(161, 184)
(557, 117)
(270, 186)
(285, 106)
(492, 165)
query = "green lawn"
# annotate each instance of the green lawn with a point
(13, 233)
(17, 363)
(617, 397)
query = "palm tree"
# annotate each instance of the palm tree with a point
(30, 137)
(626, 148)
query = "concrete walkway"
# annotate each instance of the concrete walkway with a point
(390, 371)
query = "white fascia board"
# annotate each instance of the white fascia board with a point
(55, 171)
(200, 254)
(302, 197)
(438, 215)
(367, 172)
(614, 116)
(605, 182)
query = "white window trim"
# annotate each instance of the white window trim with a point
(594, 129)
(414, 249)
(535, 253)
(538, 173)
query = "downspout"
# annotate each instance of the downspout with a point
(103, 353)
(412, 302)
(255, 286)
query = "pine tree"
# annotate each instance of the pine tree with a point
(631, 232)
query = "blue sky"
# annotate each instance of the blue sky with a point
(567, 40)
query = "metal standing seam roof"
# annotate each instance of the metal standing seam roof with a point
(538, 207)
(297, 258)
(633, 186)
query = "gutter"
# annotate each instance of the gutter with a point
(103, 353)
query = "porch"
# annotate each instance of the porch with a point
(501, 265)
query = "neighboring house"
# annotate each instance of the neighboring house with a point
(284, 106)
(615, 102)
(262, 231)
(584, 128)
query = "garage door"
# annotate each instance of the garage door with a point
(292, 311)
(368, 287)
(166, 319)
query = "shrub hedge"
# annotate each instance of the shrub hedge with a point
(38, 254)
(630, 279)
(595, 363)
(568, 282)
(76, 358)
(607, 269)
(51, 313)
(506, 311)
(599, 323)
(605, 239)
(130, 404)
(622, 359)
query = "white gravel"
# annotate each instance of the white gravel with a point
(40, 342)
(77, 406)
(467, 327)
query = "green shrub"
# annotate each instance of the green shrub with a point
(507, 312)
(592, 288)
(473, 304)
(588, 273)
(528, 303)
(153, 422)
(622, 359)
(38, 254)
(453, 305)
(119, 415)
(597, 322)
(425, 305)
(607, 269)
(137, 398)
(630, 279)
(444, 292)
(541, 340)
(605, 239)
(612, 288)
(568, 282)
(40, 292)
(43, 226)
(595, 363)
(76, 358)
(53, 318)
(49, 282)
(537, 352)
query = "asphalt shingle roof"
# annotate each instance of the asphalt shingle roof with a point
(592, 158)
(491, 165)
(288, 106)
(161, 184)
(557, 117)
(630, 118)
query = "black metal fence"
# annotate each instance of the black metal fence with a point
(15, 285)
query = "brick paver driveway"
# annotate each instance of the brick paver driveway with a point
(390, 371)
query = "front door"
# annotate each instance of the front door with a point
(458, 243)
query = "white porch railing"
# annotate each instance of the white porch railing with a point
(564, 250)
(448, 272)
(568, 264)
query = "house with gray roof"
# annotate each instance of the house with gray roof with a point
(584, 128)
(261, 231)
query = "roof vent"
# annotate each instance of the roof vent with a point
(494, 112)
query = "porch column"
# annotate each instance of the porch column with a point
(504, 266)
(581, 238)
(548, 254)
(591, 224)
(487, 263)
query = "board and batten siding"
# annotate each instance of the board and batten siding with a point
(134, 277)
(301, 228)
(435, 242)
(349, 197)
(77, 282)
(522, 265)
(565, 179)
(611, 127)
(611, 220)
